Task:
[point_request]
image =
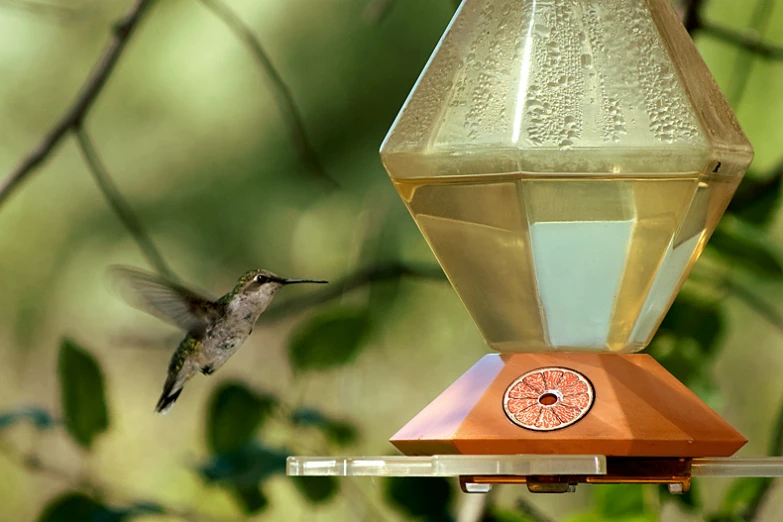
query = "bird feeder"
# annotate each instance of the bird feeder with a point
(566, 162)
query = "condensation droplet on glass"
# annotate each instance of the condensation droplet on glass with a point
(587, 61)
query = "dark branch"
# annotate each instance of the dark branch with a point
(694, 22)
(118, 204)
(84, 101)
(285, 100)
(744, 41)
(691, 17)
(372, 274)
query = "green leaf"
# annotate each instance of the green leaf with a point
(235, 415)
(757, 200)
(693, 319)
(619, 501)
(329, 340)
(248, 466)
(497, 514)
(317, 490)
(340, 432)
(70, 507)
(250, 499)
(426, 498)
(689, 335)
(40, 418)
(73, 507)
(82, 389)
(744, 247)
(243, 472)
(684, 360)
(741, 494)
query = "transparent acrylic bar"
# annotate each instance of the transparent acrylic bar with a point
(519, 465)
(738, 467)
(447, 465)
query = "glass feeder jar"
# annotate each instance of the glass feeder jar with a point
(566, 161)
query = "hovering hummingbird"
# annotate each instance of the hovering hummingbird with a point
(216, 328)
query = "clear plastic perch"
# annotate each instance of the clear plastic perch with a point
(509, 465)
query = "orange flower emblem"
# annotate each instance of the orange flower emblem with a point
(548, 399)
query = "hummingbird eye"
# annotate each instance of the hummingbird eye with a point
(262, 279)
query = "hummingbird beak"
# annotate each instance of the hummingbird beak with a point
(295, 281)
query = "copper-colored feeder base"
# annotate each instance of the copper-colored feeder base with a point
(639, 410)
(674, 472)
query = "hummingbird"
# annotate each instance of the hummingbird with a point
(215, 328)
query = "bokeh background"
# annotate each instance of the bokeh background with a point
(199, 142)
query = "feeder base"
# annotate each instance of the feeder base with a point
(618, 405)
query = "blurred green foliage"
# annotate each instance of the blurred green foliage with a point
(40, 418)
(330, 339)
(196, 140)
(235, 414)
(85, 412)
(76, 506)
(427, 499)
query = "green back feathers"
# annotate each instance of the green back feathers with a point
(187, 347)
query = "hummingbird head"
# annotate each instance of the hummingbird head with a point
(259, 286)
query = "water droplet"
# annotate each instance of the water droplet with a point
(541, 30)
(587, 61)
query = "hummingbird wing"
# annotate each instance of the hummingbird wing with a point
(172, 302)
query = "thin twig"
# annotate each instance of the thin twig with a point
(285, 100)
(84, 101)
(119, 205)
(372, 274)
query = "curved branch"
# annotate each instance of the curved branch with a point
(84, 101)
(118, 204)
(285, 100)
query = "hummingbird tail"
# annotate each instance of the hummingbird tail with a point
(167, 400)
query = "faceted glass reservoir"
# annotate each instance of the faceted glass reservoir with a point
(566, 162)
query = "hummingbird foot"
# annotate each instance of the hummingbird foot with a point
(208, 369)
